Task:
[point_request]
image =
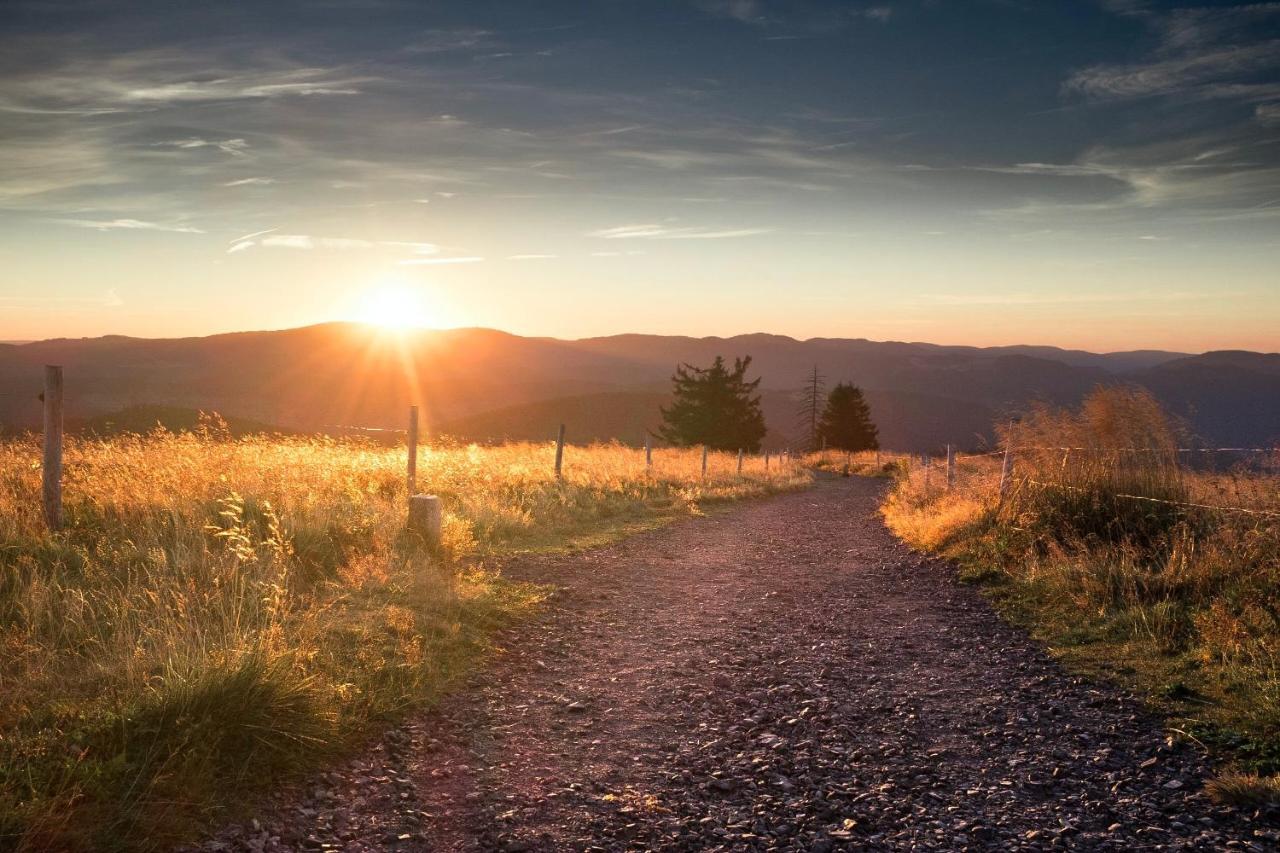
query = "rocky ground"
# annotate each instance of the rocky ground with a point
(782, 676)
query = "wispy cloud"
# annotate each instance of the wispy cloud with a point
(270, 240)
(250, 182)
(234, 88)
(1207, 52)
(154, 79)
(1193, 70)
(663, 232)
(128, 225)
(234, 147)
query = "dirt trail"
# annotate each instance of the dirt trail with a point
(782, 676)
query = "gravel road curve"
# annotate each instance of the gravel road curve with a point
(780, 676)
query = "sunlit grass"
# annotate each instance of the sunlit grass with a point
(1172, 598)
(222, 613)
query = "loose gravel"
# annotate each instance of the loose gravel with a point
(780, 676)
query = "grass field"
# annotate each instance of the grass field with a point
(221, 613)
(1178, 601)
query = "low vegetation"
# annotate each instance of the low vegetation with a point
(1112, 546)
(221, 613)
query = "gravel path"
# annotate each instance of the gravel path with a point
(782, 676)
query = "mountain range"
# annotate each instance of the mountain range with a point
(481, 384)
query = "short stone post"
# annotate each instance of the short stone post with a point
(426, 518)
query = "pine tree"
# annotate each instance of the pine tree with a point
(809, 410)
(714, 406)
(846, 423)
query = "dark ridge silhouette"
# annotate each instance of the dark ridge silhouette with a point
(483, 384)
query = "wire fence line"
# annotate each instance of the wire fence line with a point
(948, 470)
(1219, 507)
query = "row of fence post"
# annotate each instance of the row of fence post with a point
(53, 441)
(1006, 468)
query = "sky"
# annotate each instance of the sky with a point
(1102, 175)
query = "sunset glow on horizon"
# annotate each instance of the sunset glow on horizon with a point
(1097, 175)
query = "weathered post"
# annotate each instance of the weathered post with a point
(52, 469)
(951, 467)
(739, 462)
(648, 451)
(766, 462)
(1006, 469)
(426, 518)
(925, 463)
(704, 462)
(877, 457)
(413, 450)
(560, 452)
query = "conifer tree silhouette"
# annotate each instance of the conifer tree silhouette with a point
(714, 406)
(846, 422)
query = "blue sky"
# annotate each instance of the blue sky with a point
(1104, 175)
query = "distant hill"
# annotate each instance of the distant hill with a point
(1232, 396)
(485, 385)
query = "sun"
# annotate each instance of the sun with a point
(393, 306)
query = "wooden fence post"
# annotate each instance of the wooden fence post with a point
(52, 469)
(951, 467)
(927, 464)
(766, 462)
(413, 450)
(648, 451)
(1006, 471)
(739, 462)
(704, 462)
(560, 452)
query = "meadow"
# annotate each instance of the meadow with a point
(1132, 559)
(222, 614)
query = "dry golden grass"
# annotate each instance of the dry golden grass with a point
(1246, 790)
(221, 613)
(1178, 599)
